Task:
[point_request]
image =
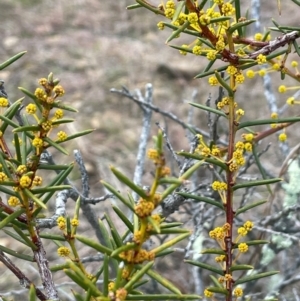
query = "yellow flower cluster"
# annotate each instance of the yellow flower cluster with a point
(25, 181)
(37, 181)
(207, 293)
(3, 102)
(137, 256)
(121, 294)
(144, 208)
(62, 136)
(58, 114)
(238, 292)
(61, 223)
(13, 201)
(216, 185)
(37, 142)
(74, 222)
(21, 169)
(203, 150)
(63, 251)
(58, 90)
(243, 247)
(40, 94)
(243, 231)
(218, 233)
(47, 125)
(220, 258)
(31, 108)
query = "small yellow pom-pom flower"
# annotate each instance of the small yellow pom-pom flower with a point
(258, 37)
(239, 78)
(228, 9)
(111, 286)
(143, 208)
(220, 45)
(47, 125)
(243, 247)
(61, 223)
(248, 137)
(37, 142)
(197, 50)
(274, 115)
(43, 81)
(152, 154)
(250, 73)
(21, 169)
(62, 136)
(282, 89)
(25, 181)
(242, 231)
(58, 90)
(204, 20)
(240, 112)
(40, 94)
(276, 66)
(261, 59)
(161, 25)
(290, 101)
(262, 72)
(238, 292)
(207, 293)
(248, 147)
(37, 181)
(294, 64)
(231, 70)
(121, 294)
(239, 145)
(13, 201)
(170, 4)
(74, 222)
(59, 113)
(248, 225)
(169, 13)
(3, 177)
(213, 81)
(31, 108)
(282, 137)
(3, 102)
(165, 171)
(63, 251)
(211, 55)
(192, 18)
(216, 185)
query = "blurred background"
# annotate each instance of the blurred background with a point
(93, 46)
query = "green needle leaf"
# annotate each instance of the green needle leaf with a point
(93, 244)
(208, 109)
(256, 183)
(164, 282)
(138, 190)
(247, 207)
(138, 275)
(241, 267)
(16, 254)
(12, 59)
(255, 277)
(202, 199)
(34, 198)
(11, 217)
(206, 266)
